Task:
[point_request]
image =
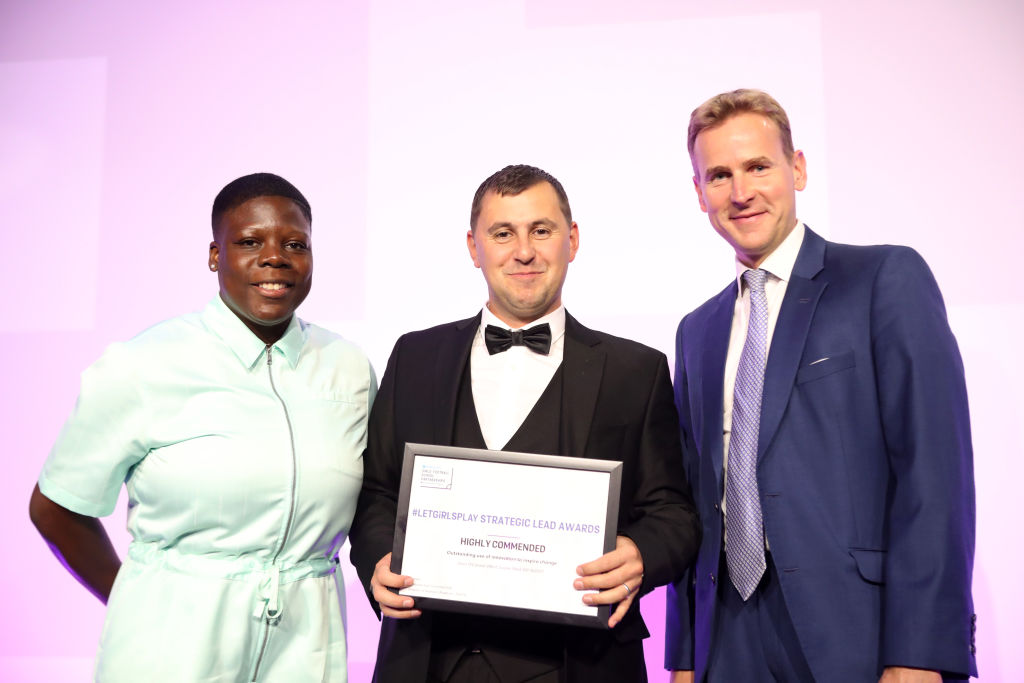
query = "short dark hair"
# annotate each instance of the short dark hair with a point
(241, 190)
(514, 179)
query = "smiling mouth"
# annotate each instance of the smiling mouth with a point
(272, 286)
(746, 216)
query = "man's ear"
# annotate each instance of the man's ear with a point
(799, 170)
(574, 240)
(700, 195)
(471, 245)
(214, 255)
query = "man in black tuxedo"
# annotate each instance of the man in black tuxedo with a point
(567, 390)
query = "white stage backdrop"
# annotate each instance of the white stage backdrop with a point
(119, 121)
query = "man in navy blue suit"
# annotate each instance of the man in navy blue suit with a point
(827, 439)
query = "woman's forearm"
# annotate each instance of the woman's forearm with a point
(79, 542)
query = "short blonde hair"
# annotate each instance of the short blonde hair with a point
(721, 108)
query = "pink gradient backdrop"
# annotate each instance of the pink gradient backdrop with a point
(119, 122)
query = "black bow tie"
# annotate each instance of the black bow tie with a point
(537, 339)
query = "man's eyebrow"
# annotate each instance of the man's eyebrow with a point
(760, 161)
(508, 225)
(500, 225)
(715, 170)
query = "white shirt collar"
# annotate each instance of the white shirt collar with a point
(781, 261)
(556, 319)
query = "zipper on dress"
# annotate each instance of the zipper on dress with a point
(269, 618)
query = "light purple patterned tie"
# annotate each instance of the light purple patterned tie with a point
(744, 542)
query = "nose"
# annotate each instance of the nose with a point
(273, 255)
(525, 250)
(742, 189)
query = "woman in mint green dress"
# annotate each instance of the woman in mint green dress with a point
(238, 433)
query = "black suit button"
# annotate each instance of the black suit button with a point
(712, 577)
(716, 507)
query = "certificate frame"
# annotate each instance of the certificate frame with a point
(597, 616)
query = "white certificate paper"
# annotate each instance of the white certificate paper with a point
(503, 533)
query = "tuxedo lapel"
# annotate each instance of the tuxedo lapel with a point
(452, 357)
(712, 377)
(583, 363)
(802, 295)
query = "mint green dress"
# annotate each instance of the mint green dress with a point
(242, 465)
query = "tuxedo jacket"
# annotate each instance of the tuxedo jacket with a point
(864, 467)
(616, 405)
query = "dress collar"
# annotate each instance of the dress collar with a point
(223, 322)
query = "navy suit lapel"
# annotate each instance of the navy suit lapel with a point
(715, 347)
(802, 295)
(583, 366)
(452, 357)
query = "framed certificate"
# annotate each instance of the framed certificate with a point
(501, 534)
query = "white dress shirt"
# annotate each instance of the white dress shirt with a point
(779, 265)
(508, 384)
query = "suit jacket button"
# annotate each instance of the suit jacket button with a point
(716, 507)
(712, 577)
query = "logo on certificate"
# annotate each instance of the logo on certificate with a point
(435, 476)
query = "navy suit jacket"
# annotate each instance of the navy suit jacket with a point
(864, 467)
